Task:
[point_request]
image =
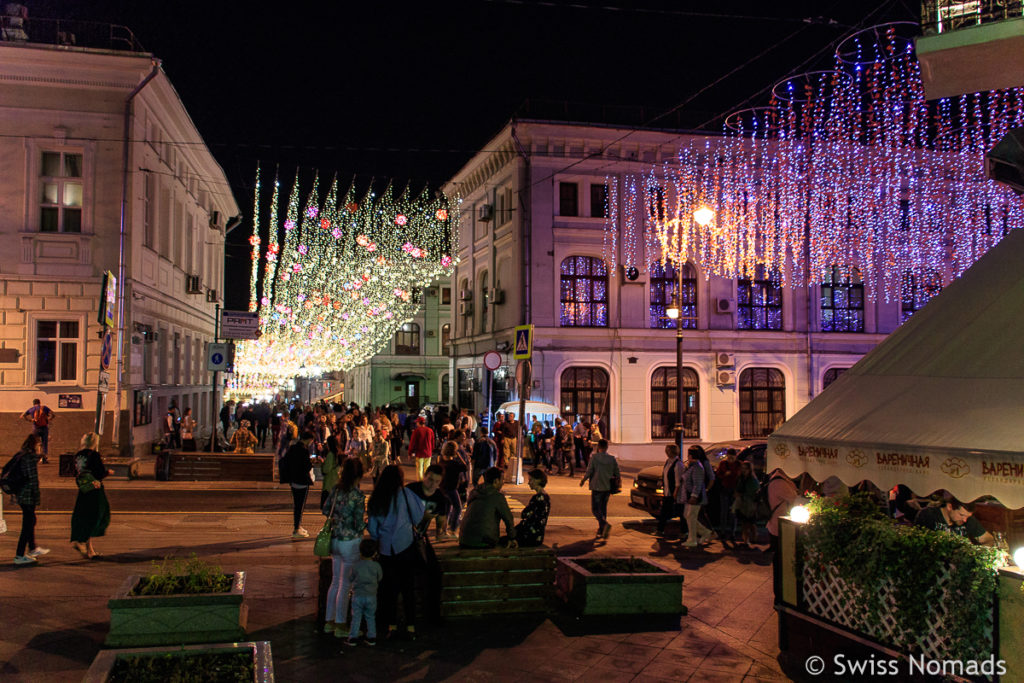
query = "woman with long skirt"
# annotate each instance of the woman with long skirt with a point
(91, 515)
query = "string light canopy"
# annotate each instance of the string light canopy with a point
(340, 275)
(849, 169)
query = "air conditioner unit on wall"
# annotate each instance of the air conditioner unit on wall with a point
(725, 377)
(465, 308)
(724, 360)
(724, 306)
(465, 295)
(485, 213)
(432, 291)
(211, 295)
(496, 296)
(193, 285)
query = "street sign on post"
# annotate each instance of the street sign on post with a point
(217, 357)
(523, 348)
(492, 360)
(239, 325)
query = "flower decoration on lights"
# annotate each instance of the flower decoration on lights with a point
(338, 277)
(849, 167)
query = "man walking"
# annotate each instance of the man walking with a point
(602, 469)
(421, 446)
(40, 416)
(671, 473)
(484, 455)
(694, 495)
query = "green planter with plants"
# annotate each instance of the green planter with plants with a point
(182, 601)
(223, 663)
(619, 585)
(919, 591)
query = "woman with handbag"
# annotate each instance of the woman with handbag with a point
(91, 515)
(394, 513)
(345, 508)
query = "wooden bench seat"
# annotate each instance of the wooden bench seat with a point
(182, 466)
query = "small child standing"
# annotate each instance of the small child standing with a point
(364, 576)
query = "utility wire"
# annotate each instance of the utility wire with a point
(663, 12)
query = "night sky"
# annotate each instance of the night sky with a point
(410, 91)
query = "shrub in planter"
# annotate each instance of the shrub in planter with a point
(180, 602)
(223, 663)
(619, 585)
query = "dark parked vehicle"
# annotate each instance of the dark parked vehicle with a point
(646, 493)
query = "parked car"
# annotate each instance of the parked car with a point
(647, 493)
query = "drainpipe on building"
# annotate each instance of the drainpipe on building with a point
(121, 252)
(525, 229)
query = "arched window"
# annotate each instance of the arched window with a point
(446, 388)
(842, 301)
(484, 300)
(446, 339)
(665, 408)
(584, 392)
(759, 302)
(407, 340)
(584, 292)
(916, 290)
(762, 402)
(467, 320)
(664, 283)
(831, 375)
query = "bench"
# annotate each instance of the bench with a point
(181, 466)
(495, 581)
(123, 466)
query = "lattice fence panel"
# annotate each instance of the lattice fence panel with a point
(842, 603)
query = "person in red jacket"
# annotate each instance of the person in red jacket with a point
(421, 446)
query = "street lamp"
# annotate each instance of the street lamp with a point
(702, 217)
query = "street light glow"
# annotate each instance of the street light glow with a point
(800, 514)
(672, 312)
(703, 216)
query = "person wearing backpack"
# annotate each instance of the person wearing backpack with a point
(28, 498)
(40, 416)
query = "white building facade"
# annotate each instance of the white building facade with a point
(531, 251)
(95, 139)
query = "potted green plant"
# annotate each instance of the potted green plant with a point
(236, 662)
(181, 601)
(619, 585)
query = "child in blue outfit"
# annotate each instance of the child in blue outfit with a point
(364, 576)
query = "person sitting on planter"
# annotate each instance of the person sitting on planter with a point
(534, 518)
(956, 518)
(243, 440)
(485, 508)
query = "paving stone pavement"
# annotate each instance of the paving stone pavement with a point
(55, 617)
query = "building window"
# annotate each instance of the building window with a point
(665, 406)
(584, 292)
(762, 402)
(916, 291)
(599, 201)
(656, 203)
(842, 301)
(465, 299)
(759, 303)
(60, 207)
(568, 199)
(484, 301)
(149, 210)
(584, 393)
(407, 340)
(831, 375)
(143, 409)
(664, 283)
(468, 385)
(446, 339)
(446, 296)
(57, 350)
(446, 388)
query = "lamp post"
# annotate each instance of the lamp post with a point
(702, 217)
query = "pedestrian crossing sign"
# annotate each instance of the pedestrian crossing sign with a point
(524, 342)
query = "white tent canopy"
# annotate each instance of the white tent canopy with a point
(532, 408)
(938, 405)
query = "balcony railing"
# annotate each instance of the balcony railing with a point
(943, 16)
(68, 33)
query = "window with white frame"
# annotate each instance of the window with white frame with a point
(407, 340)
(57, 345)
(149, 210)
(60, 184)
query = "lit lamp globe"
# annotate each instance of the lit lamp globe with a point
(672, 312)
(703, 216)
(800, 514)
(1018, 557)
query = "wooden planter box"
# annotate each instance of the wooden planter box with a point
(495, 581)
(658, 592)
(145, 620)
(263, 663)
